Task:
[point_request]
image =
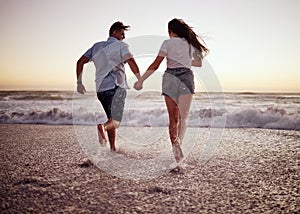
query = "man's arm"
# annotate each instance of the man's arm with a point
(134, 67)
(79, 69)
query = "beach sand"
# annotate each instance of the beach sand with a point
(253, 171)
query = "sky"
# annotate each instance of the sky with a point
(254, 45)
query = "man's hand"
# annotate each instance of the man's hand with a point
(80, 88)
(138, 85)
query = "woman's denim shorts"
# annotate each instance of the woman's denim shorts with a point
(178, 81)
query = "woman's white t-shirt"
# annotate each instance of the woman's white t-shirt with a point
(178, 52)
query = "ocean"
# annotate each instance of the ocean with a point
(147, 109)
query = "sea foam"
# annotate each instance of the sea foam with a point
(270, 111)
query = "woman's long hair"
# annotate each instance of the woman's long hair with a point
(179, 27)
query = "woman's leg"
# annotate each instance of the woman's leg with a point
(184, 104)
(173, 112)
(173, 117)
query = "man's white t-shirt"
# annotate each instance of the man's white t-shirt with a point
(178, 52)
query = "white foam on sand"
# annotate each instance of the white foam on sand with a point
(145, 153)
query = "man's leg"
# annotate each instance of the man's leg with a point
(111, 124)
(112, 139)
(111, 127)
(114, 108)
(105, 99)
(101, 135)
(113, 102)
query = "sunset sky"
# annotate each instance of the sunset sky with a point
(254, 45)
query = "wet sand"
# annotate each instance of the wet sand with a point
(43, 170)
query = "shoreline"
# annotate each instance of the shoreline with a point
(253, 170)
(195, 127)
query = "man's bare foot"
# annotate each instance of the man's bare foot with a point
(101, 135)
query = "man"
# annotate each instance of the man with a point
(109, 58)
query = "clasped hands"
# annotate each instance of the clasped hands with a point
(138, 85)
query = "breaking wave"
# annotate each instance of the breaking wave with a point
(269, 118)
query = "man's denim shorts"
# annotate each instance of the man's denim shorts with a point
(113, 102)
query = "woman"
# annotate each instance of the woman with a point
(182, 51)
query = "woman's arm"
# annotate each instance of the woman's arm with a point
(153, 67)
(197, 60)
